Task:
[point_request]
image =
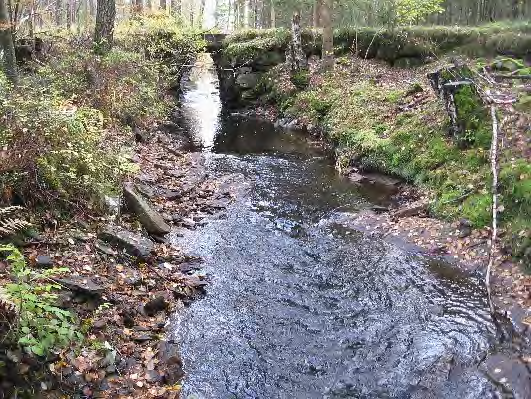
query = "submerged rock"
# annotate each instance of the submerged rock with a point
(132, 243)
(150, 219)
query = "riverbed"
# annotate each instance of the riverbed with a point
(302, 306)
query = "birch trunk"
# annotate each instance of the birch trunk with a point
(295, 55)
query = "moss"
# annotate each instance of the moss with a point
(472, 117)
(300, 79)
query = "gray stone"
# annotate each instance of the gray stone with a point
(248, 80)
(105, 249)
(132, 243)
(150, 219)
(81, 284)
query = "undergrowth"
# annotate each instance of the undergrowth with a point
(67, 132)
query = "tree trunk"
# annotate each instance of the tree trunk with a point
(69, 15)
(58, 13)
(328, 34)
(295, 55)
(273, 15)
(317, 13)
(104, 32)
(191, 13)
(162, 5)
(176, 8)
(31, 20)
(6, 39)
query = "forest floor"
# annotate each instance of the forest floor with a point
(363, 95)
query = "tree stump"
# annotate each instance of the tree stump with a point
(461, 99)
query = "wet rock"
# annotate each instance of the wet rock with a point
(379, 209)
(44, 261)
(142, 337)
(159, 239)
(187, 222)
(82, 285)
(146, 190)
(140, 135)
(149, 218)
(157, 304)
(132, 243)
(153, 376)
(112, 205)
(172, 370)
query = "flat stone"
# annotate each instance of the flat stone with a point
(81, 284)
(132, 243)
(44, 261)
(148, 217)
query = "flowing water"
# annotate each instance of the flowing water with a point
(302, 306)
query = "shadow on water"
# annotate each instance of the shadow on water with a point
(301, 306)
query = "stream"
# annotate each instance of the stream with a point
(302, 306)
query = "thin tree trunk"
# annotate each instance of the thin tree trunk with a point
(32, 19)
(104, 31)
(202, 13)
(6, 39)
(328, 34)
(162, 5)
(58, 12)
(317, 13)
(176, 8)
(69, 15)
(273, 15)
(191, 13)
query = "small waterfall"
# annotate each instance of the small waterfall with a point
(201, 102)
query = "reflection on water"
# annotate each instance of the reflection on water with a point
(302, 306)
(201, 102)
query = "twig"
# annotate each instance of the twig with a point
(494, 168)
(503, 76)
(372, 41)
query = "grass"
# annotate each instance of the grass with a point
(361, 117)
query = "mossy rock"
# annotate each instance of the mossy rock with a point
(507, 64)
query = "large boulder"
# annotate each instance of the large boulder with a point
(150, 219)
(132, 243)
